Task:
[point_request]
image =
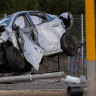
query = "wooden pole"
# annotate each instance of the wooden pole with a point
(90, 46)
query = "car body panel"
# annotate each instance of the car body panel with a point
(31, 51)
(47, 38)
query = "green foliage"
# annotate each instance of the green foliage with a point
(50, 6)
(59, 6)
(11, 6)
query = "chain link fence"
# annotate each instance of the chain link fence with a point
(76, 65)
(78, 62)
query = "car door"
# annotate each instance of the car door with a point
(47, 38)
(32, 53)
(21, 21)
(58, 26)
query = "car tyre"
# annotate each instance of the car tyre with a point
(15, 59)
(68, 45)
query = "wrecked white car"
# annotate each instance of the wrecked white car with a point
(30, 35)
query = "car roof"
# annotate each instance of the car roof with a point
(36, 11)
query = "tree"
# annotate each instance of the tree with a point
(50, 6)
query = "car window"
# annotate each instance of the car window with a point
(21, 21)
(37, 20)
(6, 20)
(49, 18)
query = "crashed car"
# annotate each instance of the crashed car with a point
(31, 35)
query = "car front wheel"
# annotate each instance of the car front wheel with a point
(15, 59)
(68, 45)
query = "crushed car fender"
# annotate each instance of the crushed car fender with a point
(64, 15)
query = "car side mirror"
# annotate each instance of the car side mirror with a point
(15, 27)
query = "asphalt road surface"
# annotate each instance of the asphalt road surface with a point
(45, 87)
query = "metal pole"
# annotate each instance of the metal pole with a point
(31, 77)
(58, 63)
(71, 65)
(79, 58)
(90, 46)
(5, 15)
(82, 43)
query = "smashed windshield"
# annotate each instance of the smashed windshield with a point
(5, 21)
